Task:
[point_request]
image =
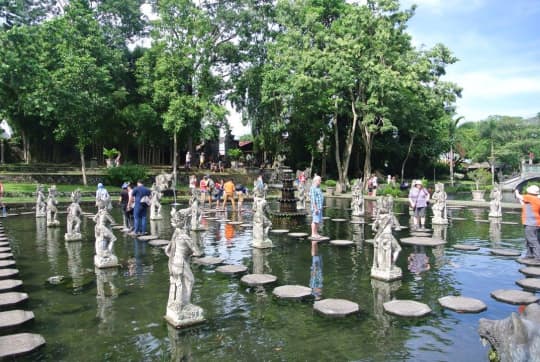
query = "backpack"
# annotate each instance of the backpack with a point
(211, 184)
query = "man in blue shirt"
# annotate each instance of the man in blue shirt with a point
(316, 200)
(140, 208)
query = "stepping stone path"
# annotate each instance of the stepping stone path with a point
(514, 296)
(406, 308)
(529, 261)
(298, 235)
(321, 239)
(292, 292)
(6, 255)
(14, 318)
(6, 263)
(208, 260)
(147, 237)
(326, 218)
(235, 223)
(420, 234)
(118, 227)
(7, 273)
(158, 242)
(462, 304)
(505, 252)
(246, 225)
(339, 220)
(466, 247)
(18, 344)
(253, 280)
(530, 271)
(12, 298)
(3, 238)
(420, 230)
(9, 284)
(423, 241)
(5, 249)
(232, 269)
(509, 223)
(356, 222)
(529, 283)
(223, 221)
(279, 231)
(336, 307)
(341, 242)
(211, 218)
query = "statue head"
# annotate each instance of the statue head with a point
(76, 196)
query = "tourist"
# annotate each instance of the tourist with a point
(203, 188)
(418, 199)
(140, 207)
(124, 201)
(217, 193)
(241, 193)
(102, 194)
(192, 184)
(130, 206)
(530, 218)
(228, 189)
(316, 199)
(188, 161)
(201, 160)
(372, 185)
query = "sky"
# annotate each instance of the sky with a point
(497, 43)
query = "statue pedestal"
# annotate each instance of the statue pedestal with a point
(187, 316)
(156, 217)
(109, 261)
(40, 214)
(72, 237)
(53, 224)
(393, 274)
(439, 221)
(262, 244)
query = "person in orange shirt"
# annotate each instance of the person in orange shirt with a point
(530, 218)
(228, 190)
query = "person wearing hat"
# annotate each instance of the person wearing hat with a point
(102, 194)
(418, 199)
(530, 218)
(124, 201)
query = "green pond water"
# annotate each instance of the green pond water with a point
(125, 321)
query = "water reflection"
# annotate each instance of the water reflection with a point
(418, 261)
(106, 294)
(383, 292)
(358, 235)
(440, 231)
(156, 226)
(261, 265)
(74, 263)
(438, 253)
(495, 230)
(53, 246)
(181, 343)
(316, 271)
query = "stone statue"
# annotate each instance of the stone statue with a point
(261, 224)
(495, 209)
(439, 205)
(163, 180)
(386, 248)
(52, 210)
(41, 205)
(105, 238)
(357, 203)
(74, 217)
(259, 188)
(301, 203)
(180, 311)
(155, 204)
(196, 213)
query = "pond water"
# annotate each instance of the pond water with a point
(118, 315)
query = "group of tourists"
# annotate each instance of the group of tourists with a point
(220, 192)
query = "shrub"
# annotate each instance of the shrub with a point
(480, 177)
(112, 153)
(127, 172)
(389, 190)
(330, 183)
(234, 153)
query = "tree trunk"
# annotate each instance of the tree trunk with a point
(407, 157)
(367, 139)
(83, 166)
(175, 160)
(336, 145)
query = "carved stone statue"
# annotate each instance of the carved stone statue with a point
(495, 209)
(41, 205)
(439, 197)
(163, 180)
(196, 212)
(105, 238)
(73, 217)
(301, 203)
(52, 210)
(386, 248)
(155, 204)
(357, 203)
(180, 311)
(261, 224)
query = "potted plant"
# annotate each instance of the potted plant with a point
(110, 154)
(234, 154)
(330, 186)
(480, 177)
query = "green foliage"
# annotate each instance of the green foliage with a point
(387, 189)
(110, 153)
(480, 177)
(234, 153)
(126, 172)
(330, 183)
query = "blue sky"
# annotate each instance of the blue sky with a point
(498, 46)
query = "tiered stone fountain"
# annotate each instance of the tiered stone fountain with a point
(287, 202)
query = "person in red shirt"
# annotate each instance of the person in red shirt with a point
(530, 218)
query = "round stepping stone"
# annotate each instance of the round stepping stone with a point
(19, 344)
(321, 239)
(6, 255)
(529, 283)
(208, 260)
(530, 271)
(425, 230)
(7, 273)
(3, 238)
(279, 231)
(246, 225)
(462, 304)
(298, 235)
(147, 237)
(482, 221)
(529, 261)
(253, 280)
(223, 221)
(14, 318)
(423, 241)
(292, 292)
(369, 241)
(235, 223)
(514, 296)
(341, 242)
(12, 298)
(339, 220)
(9, 284)
(357, 222)
(231, 269)
(466, 247)
(336, 307)
(406, 308)
(117, 227)
(420, 234)
(505, 252)
(158, 242)
(509, 223)
(458, 218)
(326, 218)
(5, 249)
(4, 243)
(6, 263)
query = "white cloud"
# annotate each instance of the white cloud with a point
(442, 6)
(484, 84)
